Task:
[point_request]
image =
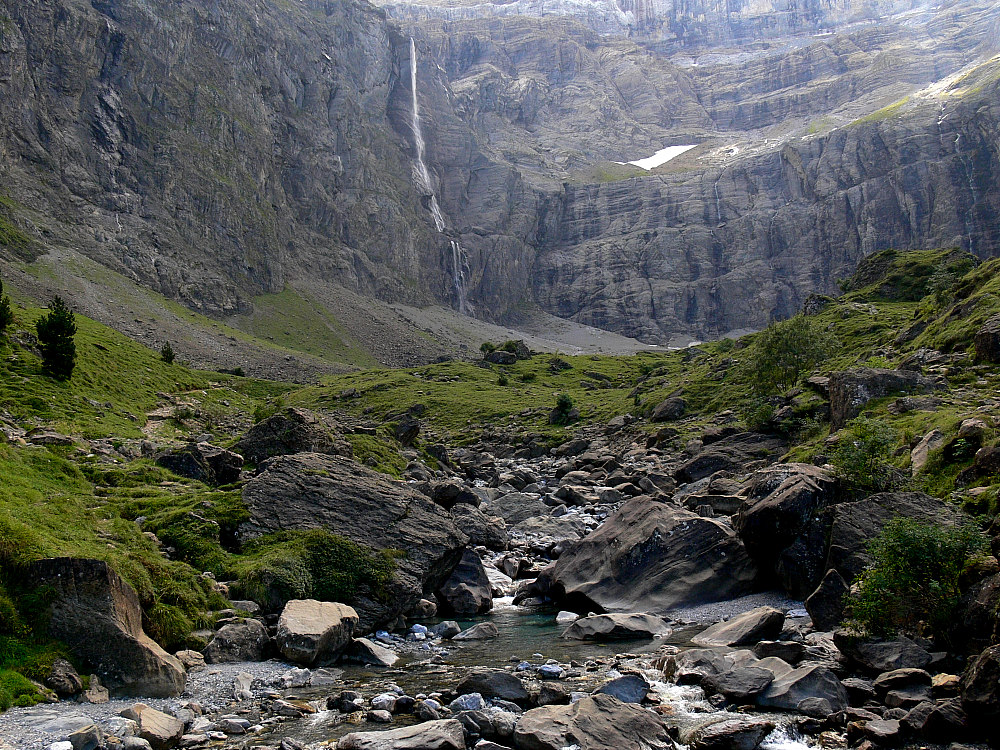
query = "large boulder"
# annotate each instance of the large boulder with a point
(290, 431)
(203, 461)
(467, 590)
(987, 341)
(981, 687)
(97, 614)
(875, 655)
(790, 689)
(243, 640)
(746, 629)
(650, 556)
(160, 730)
(482, 530)
(743, 733)
(827, 603)
(740, 684)
(851, 389)
(617, 627)
(313, 632)
(515, 507)
(494, 683)
(308, 490)
(595, 722)
(853, 525)
(444, 734)
(669, 410)
(784, 503)
(739, 452)
(978, 625)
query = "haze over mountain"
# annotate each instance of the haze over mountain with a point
(248, 158)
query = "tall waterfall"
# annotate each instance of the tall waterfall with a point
(423, 177)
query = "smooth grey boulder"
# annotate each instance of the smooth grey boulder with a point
(467, 590)
(245, 640)
(309, 490)
(203, 461)
(693, 665)
(760, 624)
(744, 733)
(617, 627)
(290, 431)
(481, 631)
(981, 687)
(650, 556)
(669, 410)
(851, 389)
(97, 614)
(876, 656)
(313, 632)
(739, 452)
(494, 683)
(595, 722)
(987, 341)
(630, 688)
(366, 651)
(160, 730)
(443, 734)
(515, 507)
(739, 684)
(788, 690)
(482, 530)
(826, 604)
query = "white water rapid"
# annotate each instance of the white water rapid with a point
(423, 178)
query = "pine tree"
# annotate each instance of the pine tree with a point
(167, 353)
(55, 337)
(6, 313)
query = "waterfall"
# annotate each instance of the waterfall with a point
(423, 177)
(423, 174)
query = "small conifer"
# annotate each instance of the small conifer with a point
(56, 330)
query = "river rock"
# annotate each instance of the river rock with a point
(981, 687)
(368, 652)
(740, 684)
(482, 530)
(651, 556)
(245, 640)
(693, 665)
(788, 690)
(855, 524)
(481, 631)
(64, 679)
(515, 507)
(494, 683)
(308, 490)
(595, 722)
(735, 453)
(630, 688)
(760, 624)
(293, 430)
(826, 604)
(444, 734)
(97, 614)
(203, 461)
(851, 389)
(159, 729)
(744, 733)
(467, 590)
(669, 410)
(876, 656)
(313, 632)
(617, 627)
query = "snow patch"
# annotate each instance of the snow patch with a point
(660, 157)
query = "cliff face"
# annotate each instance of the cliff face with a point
(215, 150)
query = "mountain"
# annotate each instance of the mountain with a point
(239, 157)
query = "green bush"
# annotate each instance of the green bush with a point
(564, 407)
(783, 351)
(6, 313)
(167, 353)
(487, 346)
(862, 457)
(17, 690)
(56, 330)
(503, 380)
(912, 584)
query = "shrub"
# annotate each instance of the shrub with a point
(6, 313)
(509, 346)
(783, 351)
(503, 380)
(862, 457)
(267, 409)
(564, 407)
(56, 330)
(167, 353)
(487, 346)
(912, 584)
(528, 377)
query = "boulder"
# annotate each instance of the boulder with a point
(760, 624)
(500, 357)
(64, 679)
(876, 656)
(942, 721)
(855, 524)
(313, 632)
(977, 624)
(744, 733)
(981, 687)
(669, 410)
(160, 730)
(826, 604)
(651, 556)
(467, 590)
(308, 490)
(735, 453)
(851, 389)
(987, 341)
(692, 666)
(788, 690)
(97, 614)
(740, 684)
(784, 503)
(443, 734)
(244, 640)
(630, 688)
(932, 441)
(290, 431)
(482, 530)
(192, 660)
(203, 461)
(481, 631)
(617, 627)
(595, 722)
(494, 683)
(368, 652)
(515, 507)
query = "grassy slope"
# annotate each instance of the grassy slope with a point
(77, 501)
